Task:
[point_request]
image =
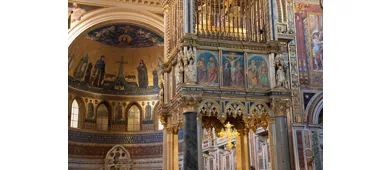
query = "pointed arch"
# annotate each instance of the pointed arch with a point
(103, 116)
(134, 113)
(81, 111)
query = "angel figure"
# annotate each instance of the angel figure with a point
(75, 14)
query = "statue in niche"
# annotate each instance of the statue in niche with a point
(88, 73)
(227, 78)
(90, 110)
(190, 67)
(142, 75)
(179, 71)
(280, 75)
(99, 72)
(161, 94)
(155, 78)
(75, 15)
(81, 67)
(118, 114)
(148, 111)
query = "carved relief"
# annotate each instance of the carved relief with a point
(209, 108)
(235, 109)
(117, 157)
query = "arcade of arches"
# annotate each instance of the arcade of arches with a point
(195, 84)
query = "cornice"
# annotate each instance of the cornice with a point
(82, 93)
(153, 6)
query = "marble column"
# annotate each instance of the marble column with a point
(280, 156)
(190, 142)
(200, 142)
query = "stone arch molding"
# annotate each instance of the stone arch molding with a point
(117, 14)
(313, 109)
(118, 155)
(317, 111)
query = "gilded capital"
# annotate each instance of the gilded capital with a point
(190, 102)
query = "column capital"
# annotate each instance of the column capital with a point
(190, 103)
(174, 129)
(280, 105)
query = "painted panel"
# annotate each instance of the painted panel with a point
(309, 33)
(258, 72)
(207, 68)
(233, 69)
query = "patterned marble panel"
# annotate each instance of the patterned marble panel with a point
(300, 150)
(77, 150)
(102, 138)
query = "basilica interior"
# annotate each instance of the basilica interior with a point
(195, 84)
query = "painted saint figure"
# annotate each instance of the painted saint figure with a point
(148, 111)
(263, 73)
(70, 59)
(212, 72)
(118, 114)
(88, 73)
(201, 71)
(81, 67)
(227, 77)
(142, 75)
(90, 110)
(233, 67)
(155, 78)
(252, 74)
(317, 50)
(100, 69)
(239, 75)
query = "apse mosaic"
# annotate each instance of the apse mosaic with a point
(207, 68)
(233, 69)
(92, 76)
(258, 72)
(125, 36)
(98, 62)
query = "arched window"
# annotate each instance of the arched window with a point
(74, 115)
(133, 120)
(102, 118)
